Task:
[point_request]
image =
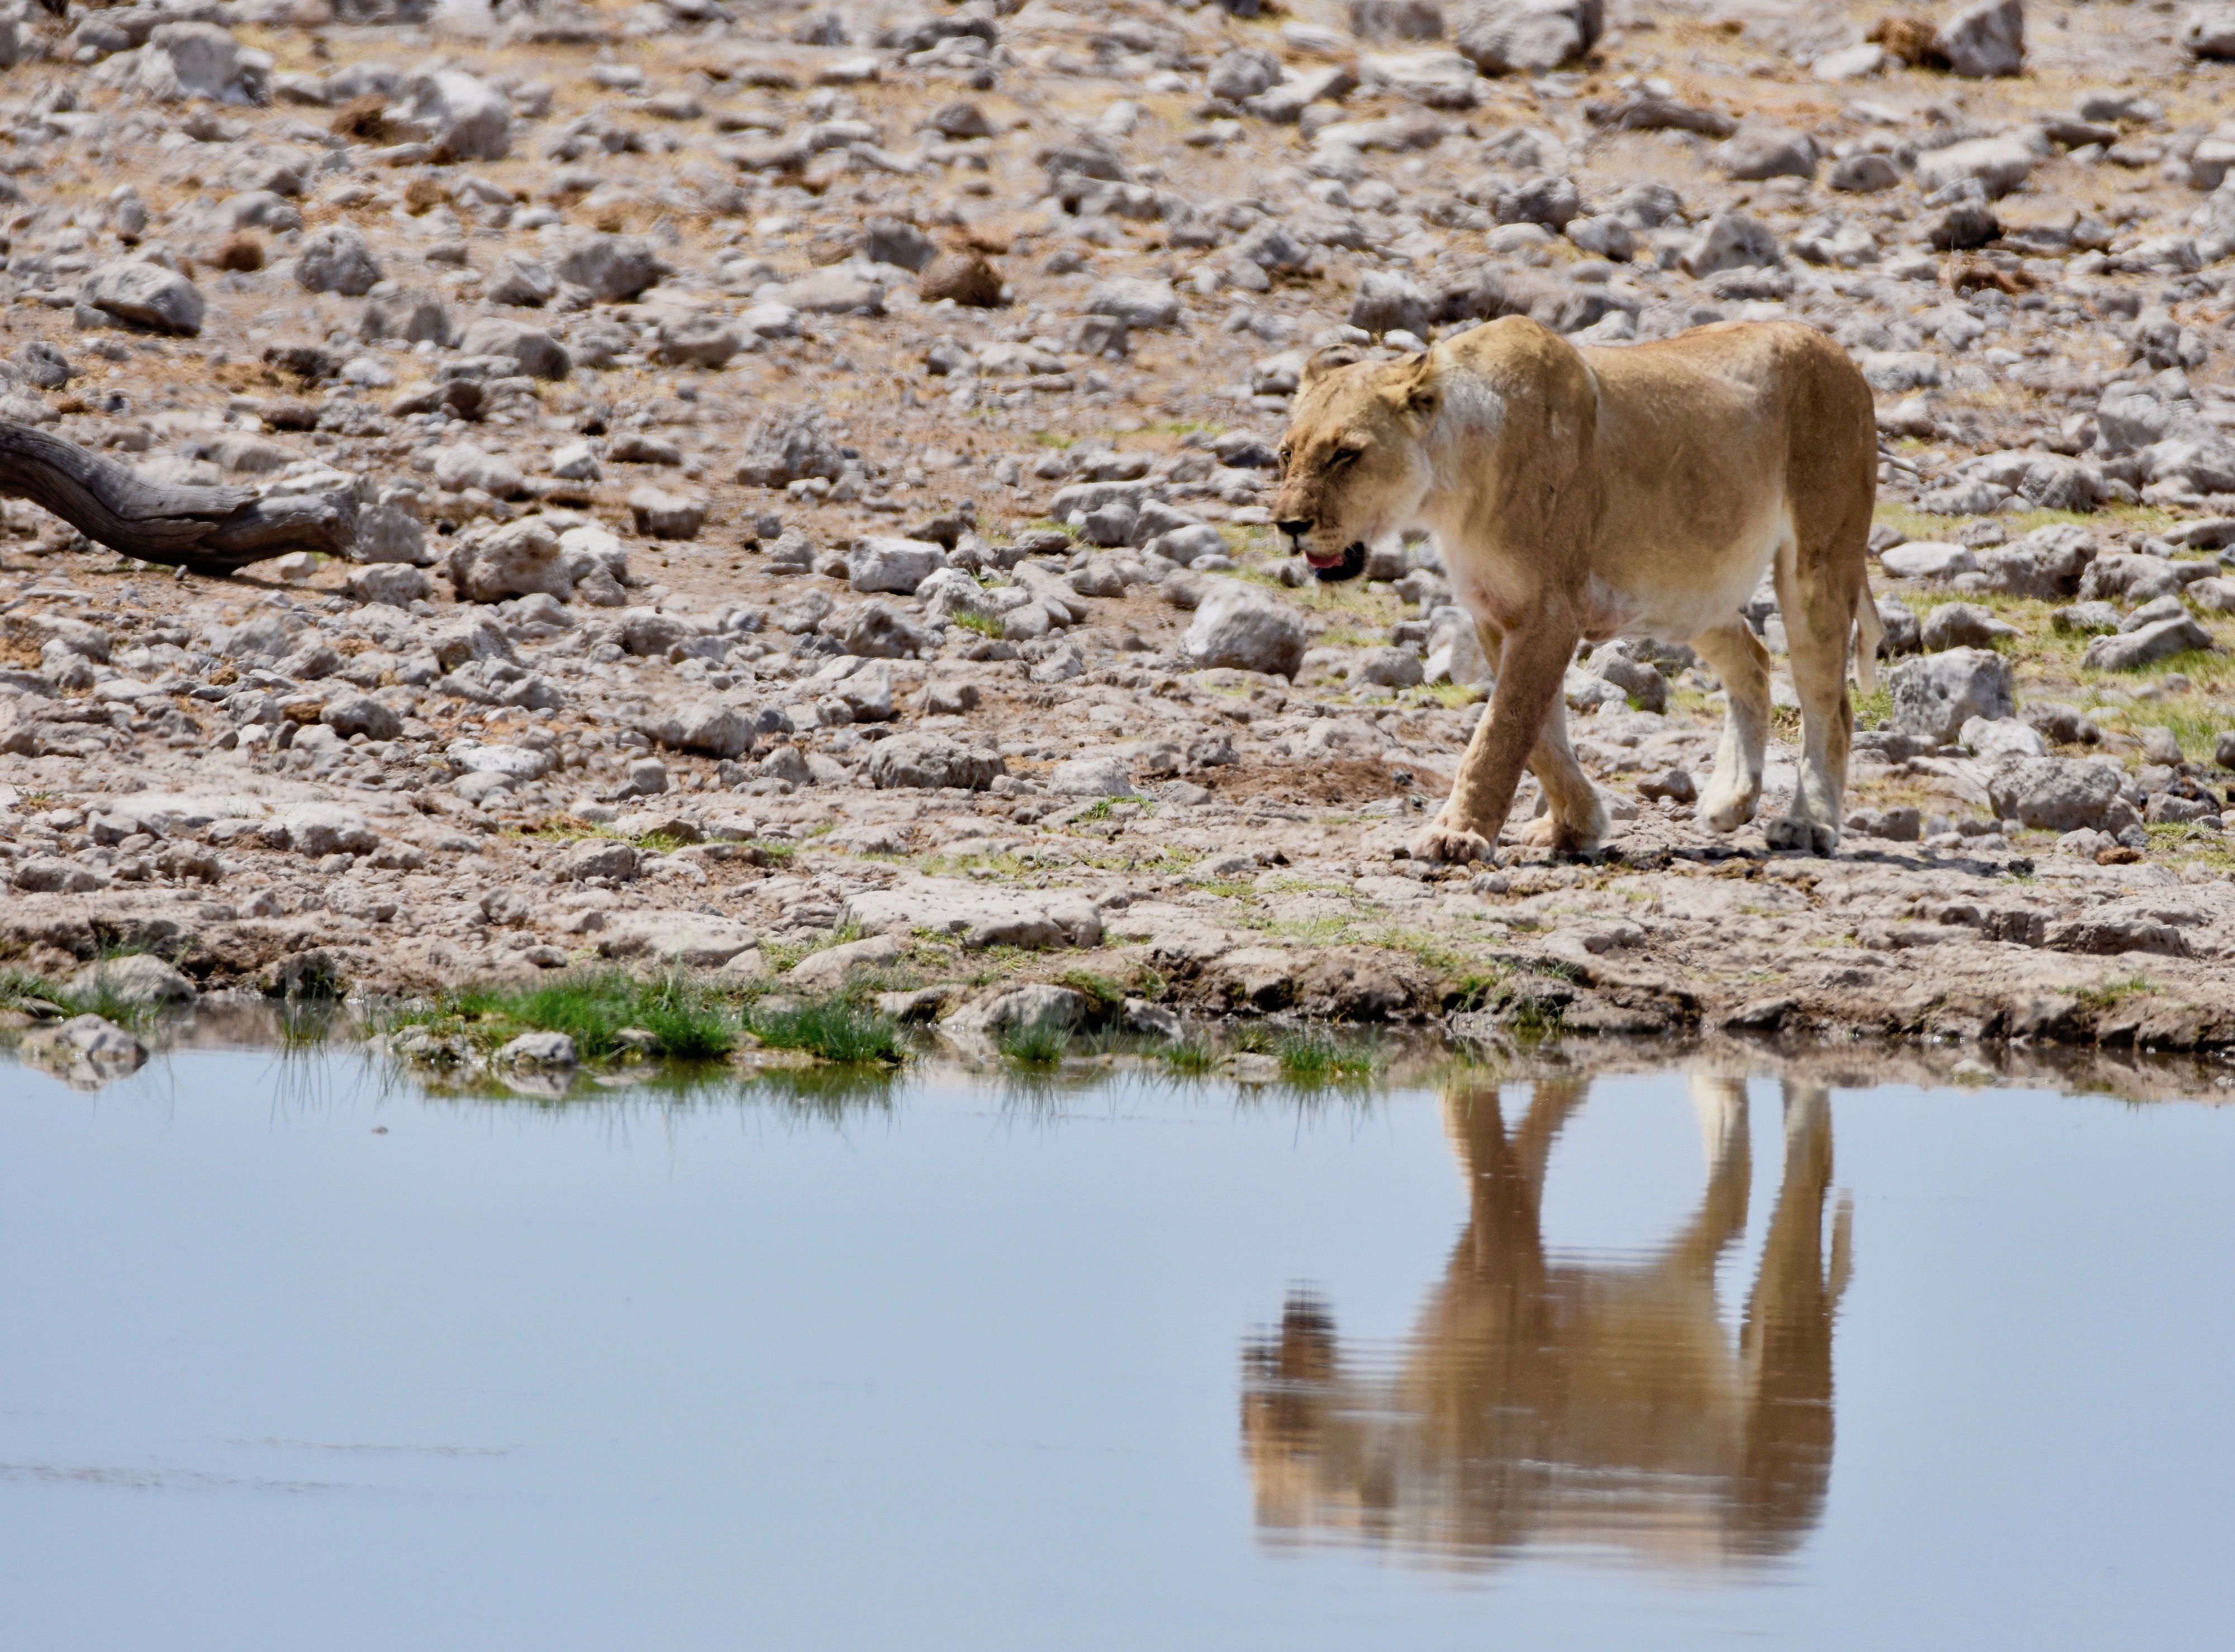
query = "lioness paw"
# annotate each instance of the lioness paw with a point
(1454, 845)
(1809, 837)
(1562, 836)
(1725, 811)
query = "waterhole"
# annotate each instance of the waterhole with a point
(299, 1354)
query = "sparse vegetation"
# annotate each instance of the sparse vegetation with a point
(1102, 994)
(23, 991)
(1191, 1057)
(831, 1028)
(685, 1020)
(1316, 1055)
(2107, 995)
(1451, 696)
(1037, 1044)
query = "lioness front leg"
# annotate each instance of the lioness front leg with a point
(1735, 654)
(1529, 677)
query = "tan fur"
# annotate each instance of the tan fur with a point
(1580, 494)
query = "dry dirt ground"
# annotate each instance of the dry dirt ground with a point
(530, 288)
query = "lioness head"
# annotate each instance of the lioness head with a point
(1355, 466)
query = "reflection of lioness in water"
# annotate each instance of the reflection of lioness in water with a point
(1569, 1400)
(1583, 493)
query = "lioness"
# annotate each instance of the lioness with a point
(1580, 494)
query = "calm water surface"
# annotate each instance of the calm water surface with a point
(295, 1358)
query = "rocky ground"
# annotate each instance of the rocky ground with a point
(809, 470)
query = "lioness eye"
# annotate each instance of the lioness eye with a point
(1344, 456)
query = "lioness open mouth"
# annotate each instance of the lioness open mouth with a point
(1348, 566)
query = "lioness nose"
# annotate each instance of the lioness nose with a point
(1295, 528)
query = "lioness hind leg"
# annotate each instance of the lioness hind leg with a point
(1818, 621)
(1736, 655)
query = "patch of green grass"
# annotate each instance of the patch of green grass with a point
(1004, 867)
(1536, 1018)
(1051, 439)
(1451, 696)
(22, 990)
(589, 1009)
(1296, 883)
(996, 963)
(1132, 858)
(1472, 989)
(2195, 721)
(1434, 950)
(1314, 1055)
(830, 1028)
(781, 955)
(102, 999)
(690, 1024)
(1313, 932)
(1919, 524)
(2106, 995)
(1877, 706)
(1102, 995)
(1191, 1055)
(1250, 1037)
(1371, 610)
(2017, 524)
(2209, 670)
(687, 1021)
(986, 624)
(305, 1028)
(1035, 1044)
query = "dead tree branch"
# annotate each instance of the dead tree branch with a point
(213, 531)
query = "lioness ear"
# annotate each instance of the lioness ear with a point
(1418, 390)
(1325, 360)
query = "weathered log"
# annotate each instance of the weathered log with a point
(204, 530)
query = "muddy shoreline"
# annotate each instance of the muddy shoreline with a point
(1256, 1054)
